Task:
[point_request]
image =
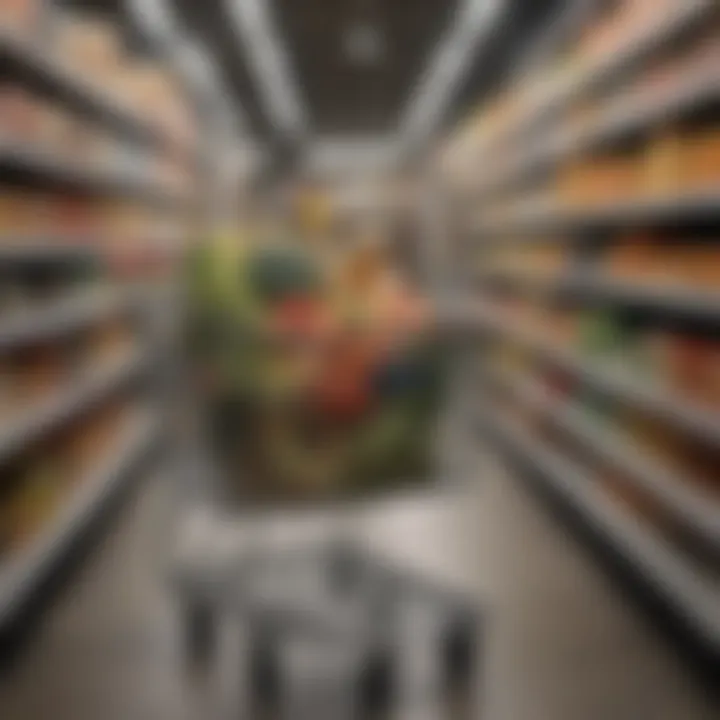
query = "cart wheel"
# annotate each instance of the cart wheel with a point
(377, 681)
(200, 631)
(459, 647)
(264, 669)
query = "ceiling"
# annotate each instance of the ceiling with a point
(338, 94)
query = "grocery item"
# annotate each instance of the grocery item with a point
(88, 46)
(334, 405)
(694, 369)
(700, 159)
(21, 16)
(663, 167)
(606, 342)
(20, 114)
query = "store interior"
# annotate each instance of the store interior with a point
(437, 279)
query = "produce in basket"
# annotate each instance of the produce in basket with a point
(335, 384)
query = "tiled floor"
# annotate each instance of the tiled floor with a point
(562, 643)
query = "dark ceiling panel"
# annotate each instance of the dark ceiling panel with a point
(208, 21)
(346, 97)
(343, 97)
(519, 27)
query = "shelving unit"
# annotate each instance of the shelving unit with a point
(686, 302)
(67, 404)
(691, 506)
(27, 168)
(81, 426)
(25, 571)
(622, 119)
(535, 222)
(621, 386)
(593, 230)
(59, 318)
(683, 589)
(46, 76)
(665, 28)
(32, 251)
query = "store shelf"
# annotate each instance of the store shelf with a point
(697, 511)
(683, 588)
(622, 387)
(59, 319)
(537, 221)
(25, 571)
(665, 28)
(31, 251)
(67, 404)
(675, 301)
(27, 167)
(623, 118)
(32, 67)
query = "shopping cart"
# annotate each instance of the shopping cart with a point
(272, 534)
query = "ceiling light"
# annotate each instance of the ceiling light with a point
(473, 23)
(256, 31)
(364, 44)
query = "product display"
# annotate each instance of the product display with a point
(618, 309)
(321, 385)
(89, 144)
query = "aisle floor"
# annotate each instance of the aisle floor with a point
(562, 643)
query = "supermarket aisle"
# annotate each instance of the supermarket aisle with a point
(108, 649)
(565, 643)
(561, 646)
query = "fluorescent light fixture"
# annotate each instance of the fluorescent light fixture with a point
(474, 21)
(358, 155)
(269, 62)
(364, 44)
(157, 20)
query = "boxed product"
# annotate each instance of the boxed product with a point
(10, 389)
(19, 114)
(151, 90)
(44, 372)
(694, 369)
(699, 463)
(90, 47)
(698, 264)
(111, 340)
(663, 165)
(21, 16)
(639, 258)
(700, 159)
(38, 492)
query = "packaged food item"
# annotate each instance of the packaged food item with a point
(700, 465)
(149, 89)
(111, 340)
(74, 216)
(39, 492)
(13, 297)
(700, 159)
(55, 130)
(694, 369)
(89, 46)
(19, 114)
(600, 181)
(663, 166)
(90, 440)
(640, 258)
(698, 264)
(9, 388)
(21, 16)
(641, 504)
(43, 373)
